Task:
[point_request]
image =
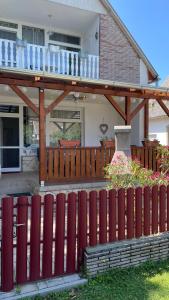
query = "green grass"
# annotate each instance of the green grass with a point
(148, 282)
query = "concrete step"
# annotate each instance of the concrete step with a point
(44, 287)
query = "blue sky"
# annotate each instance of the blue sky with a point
(148, 22)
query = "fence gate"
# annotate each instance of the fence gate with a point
(39, 238)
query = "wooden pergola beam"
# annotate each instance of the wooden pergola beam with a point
(116, 106)
(163, 106)
(138, 108)
(127, 110)
(57, 101)
(146, 120)
(42, 137)
(25, 98)
(84, 88)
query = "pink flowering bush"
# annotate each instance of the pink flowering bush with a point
(125, 173)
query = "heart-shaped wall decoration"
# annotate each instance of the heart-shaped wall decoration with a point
(104, 128)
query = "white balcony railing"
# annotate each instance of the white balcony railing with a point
(47, 59)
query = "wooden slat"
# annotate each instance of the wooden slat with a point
(93, 218)
(83, 159)
(72, 163)
(112, 215)
(98, 162)
(88, 164)
(67, 163)
(93, 162)
(78, 163)
(56, 165)
(7, 274)
(82, 226)
(71, 234)
(103, 217)
(50, 164)
(60, 234)
(21, 252)
(35, 238)
(61, 163)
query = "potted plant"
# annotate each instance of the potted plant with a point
(107, 142)
(69, 143)
(150, 143)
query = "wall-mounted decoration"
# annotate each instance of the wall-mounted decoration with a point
(104, 128)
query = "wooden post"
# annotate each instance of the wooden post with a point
(127, 110)
(146, 120)
(42, 138)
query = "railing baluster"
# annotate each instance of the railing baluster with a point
(5, 53)
(33, 57)
(43, 58)
(1, 53)
(77, 62)
(89, 66)
(72, 63)
(59, 56)
(38, 58)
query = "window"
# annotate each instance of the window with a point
(64, 38)
(8, 24)
(33, 35)
(7, 35)
(31, 128)
(65, 124)
(9, 109)
(65, 114)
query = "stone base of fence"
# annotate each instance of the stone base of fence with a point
(126, 253)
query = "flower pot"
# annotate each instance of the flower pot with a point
(150, 143)
(69, 144)
(107, 143)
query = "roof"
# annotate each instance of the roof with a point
(155, 110)
(135, 45)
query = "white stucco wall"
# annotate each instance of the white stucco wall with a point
(90, 44)
(159, 128)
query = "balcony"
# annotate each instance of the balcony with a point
(24, 56)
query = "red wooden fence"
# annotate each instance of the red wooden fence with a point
(89, 162)
(52, 232)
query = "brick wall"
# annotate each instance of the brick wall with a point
(118, 60)
(126, 253)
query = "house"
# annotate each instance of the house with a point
(69, 69)
(159, 123)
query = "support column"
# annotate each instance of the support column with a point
(127, 110)
(42, 138)
(146, 120)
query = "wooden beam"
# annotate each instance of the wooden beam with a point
(116, 106)
(127, 110)
(138, 108)
(42, 137)
(57, 101)
(84, 88)
(163, 106)
(25, 98)
(146, 120)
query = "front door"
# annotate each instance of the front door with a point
(9, 144)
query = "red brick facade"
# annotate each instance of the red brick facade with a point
(118, 59)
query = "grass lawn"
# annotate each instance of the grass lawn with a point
(150, 281)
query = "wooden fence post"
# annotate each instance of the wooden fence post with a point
(7, 280)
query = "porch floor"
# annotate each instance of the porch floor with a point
(28, 182)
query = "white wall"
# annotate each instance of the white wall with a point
(91, 5)
(160, 128)
(89, 42)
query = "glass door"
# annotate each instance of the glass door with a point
(9, 144)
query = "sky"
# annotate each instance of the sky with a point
(148, 22)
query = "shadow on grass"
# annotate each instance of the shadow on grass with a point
(140, 283)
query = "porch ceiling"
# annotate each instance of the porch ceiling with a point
(37, 12)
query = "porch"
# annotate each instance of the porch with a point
(85, 163)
